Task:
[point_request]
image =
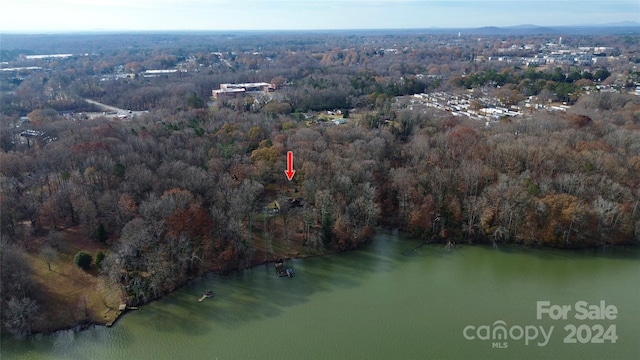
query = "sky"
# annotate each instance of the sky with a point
(150, 15)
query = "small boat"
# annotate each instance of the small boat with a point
(206, 294)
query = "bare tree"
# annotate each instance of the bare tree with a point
(49, 255)
(284, 210)
(19, 315)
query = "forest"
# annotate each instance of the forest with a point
(197, 185)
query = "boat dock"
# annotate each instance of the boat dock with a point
(122, 308)
(281, 271)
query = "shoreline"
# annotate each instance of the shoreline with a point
(119, 312)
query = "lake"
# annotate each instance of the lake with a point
(385, 301)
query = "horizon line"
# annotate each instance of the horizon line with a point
(621, 24)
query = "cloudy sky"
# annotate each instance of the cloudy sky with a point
(91, 15)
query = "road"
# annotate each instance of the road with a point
(112, 111)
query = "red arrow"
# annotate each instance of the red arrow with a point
(289, 172)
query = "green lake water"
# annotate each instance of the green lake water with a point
(380, 303)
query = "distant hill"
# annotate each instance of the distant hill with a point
(622, 23)
(619, 28)
(512, 30)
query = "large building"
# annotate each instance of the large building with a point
(232, 90)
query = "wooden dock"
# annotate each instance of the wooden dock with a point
(122, 308)
(281, 271)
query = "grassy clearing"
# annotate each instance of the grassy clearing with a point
(69, 295)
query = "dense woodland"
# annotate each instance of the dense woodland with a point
(190, 186)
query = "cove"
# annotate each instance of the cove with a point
(381, 302)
